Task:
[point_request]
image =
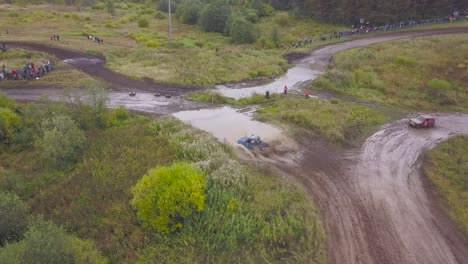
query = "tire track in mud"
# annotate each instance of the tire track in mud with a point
(407, 228)
(376, 205)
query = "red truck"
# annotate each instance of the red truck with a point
(422, 121)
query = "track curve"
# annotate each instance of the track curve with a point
(406, 227)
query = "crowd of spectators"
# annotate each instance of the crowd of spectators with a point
(366, 28)
(28, 72)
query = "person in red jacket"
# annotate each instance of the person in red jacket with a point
(307, 93)
(285, 89)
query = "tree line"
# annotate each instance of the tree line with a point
(334, 11)
(376, 11)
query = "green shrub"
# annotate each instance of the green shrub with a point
(251, 15)
(159, 15)
(442, 91)
(99, 6)
(439, 85)
(242, 31)
(147, 11)
(124, 20)
(189, 11)
(13, 218)
(46, 243)
(163, 5)
(14, 14)
(166, 196)
(110, 25)
(143, 23)
(153, 44)
(257, 6)
(117, 117)
(268, 10)
(61, 140)
(9, 124)
(5, 101)
(214, 17)
(282, 19)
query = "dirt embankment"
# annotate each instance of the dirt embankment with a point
(95, 66)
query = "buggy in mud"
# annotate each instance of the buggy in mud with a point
(252, 142)
(422, 121)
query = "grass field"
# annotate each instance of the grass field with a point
(251, 215)
(427, 73)
(446, 166)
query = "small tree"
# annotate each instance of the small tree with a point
(257, 5)
(13, 218)
(46, 243)
(282, 19)
(214, 16)
(143, 23)
(62, 141)
(163, 5)
(110, 7)
(9, 124)
(189, 11)
(242, 31)
(166, 196)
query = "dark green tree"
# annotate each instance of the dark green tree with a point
(215, 16)
(188, 11)
(242, 31)
(13, 218)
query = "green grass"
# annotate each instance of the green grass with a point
(63, 75)
(250, 215)
(215, 98)
(336, 121)
(427, 73)
(446, 166)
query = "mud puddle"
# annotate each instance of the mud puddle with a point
(229, 124)
(294, 78)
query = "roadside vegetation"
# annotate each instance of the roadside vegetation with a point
(211, 97)
(446, 166)
(109, 189)
(63, 75)
(426, 74)
(337, 121)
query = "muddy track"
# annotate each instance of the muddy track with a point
(95, 67)
(376, 205)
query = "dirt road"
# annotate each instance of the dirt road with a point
(377, 207)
